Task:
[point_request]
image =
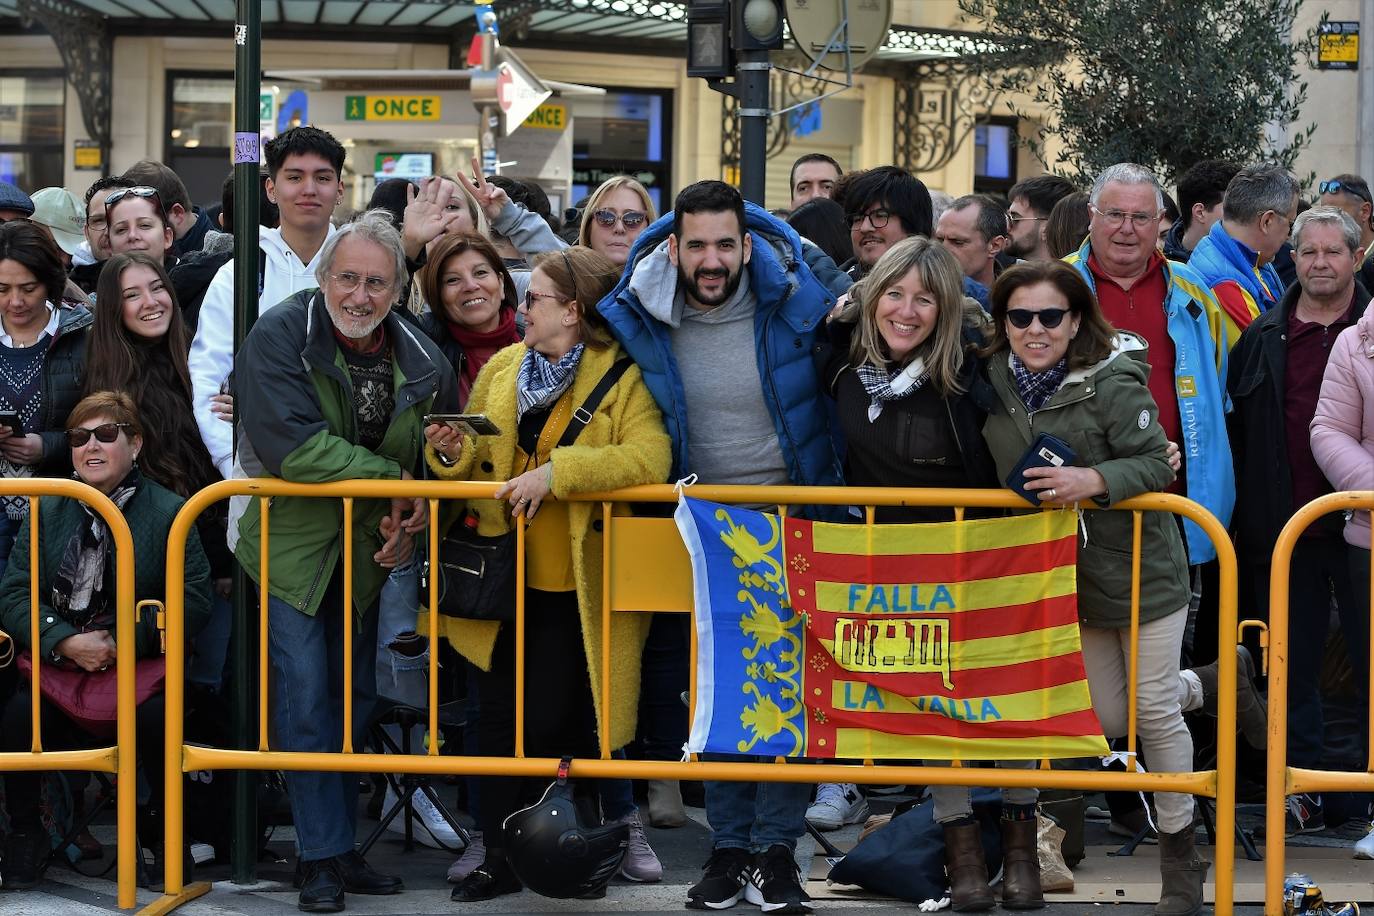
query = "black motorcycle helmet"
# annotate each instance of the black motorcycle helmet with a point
(553, 854)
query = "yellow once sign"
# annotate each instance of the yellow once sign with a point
(548, 116)
(392, 108)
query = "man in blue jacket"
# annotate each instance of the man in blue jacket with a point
(721, 313)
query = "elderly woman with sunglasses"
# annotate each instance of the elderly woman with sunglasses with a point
(76, 606)
(1060, 369)
(532, 392)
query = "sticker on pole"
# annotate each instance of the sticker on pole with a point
(247, 147)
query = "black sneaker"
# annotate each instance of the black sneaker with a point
(722, 881)
(775, 883)
(25, 852)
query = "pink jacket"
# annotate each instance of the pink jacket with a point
(1343, 426)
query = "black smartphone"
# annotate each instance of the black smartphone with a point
(11, 419)
(469, 424)
(1045, 452)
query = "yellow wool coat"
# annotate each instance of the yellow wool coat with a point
(625, 444)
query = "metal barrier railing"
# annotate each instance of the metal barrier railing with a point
(643, 574)
(121, 757)
(1281, 779)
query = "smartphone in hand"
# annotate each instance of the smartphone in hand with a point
(469, 424)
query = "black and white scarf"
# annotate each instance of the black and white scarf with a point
(882, 385)
(541, 382)
(78, 589)
(1036, 388)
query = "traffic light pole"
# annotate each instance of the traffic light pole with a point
(751, 81)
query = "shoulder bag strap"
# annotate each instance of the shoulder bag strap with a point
(583, 415)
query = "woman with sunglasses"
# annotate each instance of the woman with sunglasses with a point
(138, 345)
(76, 600)
(1059, 368)
(42, 360)
(911, 398)
(532, 392)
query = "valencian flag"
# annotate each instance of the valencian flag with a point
(946, 640)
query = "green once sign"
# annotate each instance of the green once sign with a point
(265, 107)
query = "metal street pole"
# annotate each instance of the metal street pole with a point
(751, 77)
(247, 155)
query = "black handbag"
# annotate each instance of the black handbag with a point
(476, 573)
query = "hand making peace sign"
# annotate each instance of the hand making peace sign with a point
(489, 197)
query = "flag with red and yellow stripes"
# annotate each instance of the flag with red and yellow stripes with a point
(949, 640)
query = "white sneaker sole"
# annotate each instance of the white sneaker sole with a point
(422, 833)
(753, 895)
(1364, 849)
(828, 820)
(716, 904)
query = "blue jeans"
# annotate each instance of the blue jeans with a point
(307, 692)
(212, 646)
(755, 815)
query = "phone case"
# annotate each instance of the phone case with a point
(1045, 451)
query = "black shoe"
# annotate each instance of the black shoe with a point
(157, 869)
(22, 866)
(322, 887)
(491, 879)
(722, 881)
(775, 883)
(361, 878)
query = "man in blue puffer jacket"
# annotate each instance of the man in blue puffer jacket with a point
(712, 290)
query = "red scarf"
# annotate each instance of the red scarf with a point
(480, 346)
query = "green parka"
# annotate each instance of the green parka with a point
(1107, 415)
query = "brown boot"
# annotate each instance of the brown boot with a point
(1020, 866)
(968, 872)
(1181, 872)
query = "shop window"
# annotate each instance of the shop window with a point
(32, 122)
(200, 113)
(994, 156)
(623, 133)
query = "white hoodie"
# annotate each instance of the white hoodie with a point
(212, 350)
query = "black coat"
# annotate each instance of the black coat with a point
(64, 373)
(1259, 445)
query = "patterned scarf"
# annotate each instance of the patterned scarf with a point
(884, 386)
(1036, 388)
(78, 589)
(541, 382)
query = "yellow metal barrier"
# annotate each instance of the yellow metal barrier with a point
(1283, 780)
(120, 759)
(646, 570)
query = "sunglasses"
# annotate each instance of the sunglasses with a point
(105, 432)
(143, 191)
(1049, 318)
(1335, 186)
(630, 219)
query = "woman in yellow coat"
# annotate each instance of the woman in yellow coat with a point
(530, 392)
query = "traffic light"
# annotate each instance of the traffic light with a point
(757, 25)
(708, 39)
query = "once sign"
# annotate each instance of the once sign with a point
(392, 108)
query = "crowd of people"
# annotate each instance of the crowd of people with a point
(871, 334)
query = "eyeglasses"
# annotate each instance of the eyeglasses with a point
(1049, 318)
(1114, 218)
(1014, 219)
(876, 218)
(105, 432)
(1335, 186)
(142, 191)
(348, 282)
(531, 297)
(630, 219)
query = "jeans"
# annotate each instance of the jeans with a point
(307, 697)
(206, 667)
(663, 724)
(1106, 657)
(953, 803)
(755, 815)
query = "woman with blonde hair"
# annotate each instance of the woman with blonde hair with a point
(532, 392)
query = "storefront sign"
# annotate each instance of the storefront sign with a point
(266, 102)
(549, 117)
(86, 155)
(1338, 46)
(392, 108)
(403, 165)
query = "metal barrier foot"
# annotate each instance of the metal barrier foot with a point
(169, 902)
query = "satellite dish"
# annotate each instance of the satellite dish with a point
(813, 22)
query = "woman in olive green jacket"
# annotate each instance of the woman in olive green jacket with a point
(1059, 368)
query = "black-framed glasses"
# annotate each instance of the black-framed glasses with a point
(630, 219)
(105, 432)
(142, 191)
(1014, 219)
(1336, 186)
(1049, 318)
(877, 218)
(348, 282)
